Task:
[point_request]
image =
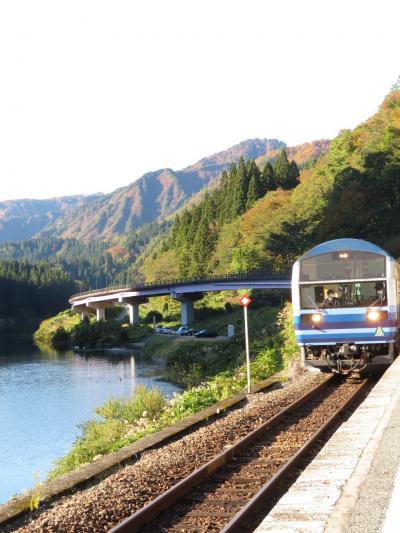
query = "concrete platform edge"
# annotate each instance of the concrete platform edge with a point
(326, 492)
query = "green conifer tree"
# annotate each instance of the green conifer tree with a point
(268, 182)
(252, 194)
(240, 187)
(286, 174)
(254, 171)
(281, 168)
(294, 175)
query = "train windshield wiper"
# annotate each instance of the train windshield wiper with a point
(311, 300)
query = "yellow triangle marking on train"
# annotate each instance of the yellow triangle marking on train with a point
(379, 332)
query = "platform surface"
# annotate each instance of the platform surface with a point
(353, 484)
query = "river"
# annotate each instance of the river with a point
(45, 395)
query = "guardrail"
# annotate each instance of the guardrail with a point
(239, 276)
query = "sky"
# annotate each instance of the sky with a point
(95, 93)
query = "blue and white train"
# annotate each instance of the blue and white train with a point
(345, 297)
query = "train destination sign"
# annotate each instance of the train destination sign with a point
(245, 300)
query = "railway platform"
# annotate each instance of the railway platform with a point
(353, 484)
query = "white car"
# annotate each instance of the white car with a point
(183, 330)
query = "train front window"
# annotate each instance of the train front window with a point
(362, 294)
(343, 265)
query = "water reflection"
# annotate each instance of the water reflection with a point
(44, 395)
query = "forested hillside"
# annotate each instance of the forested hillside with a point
(189, 249)
(353, 190)
(90, 264)
(29, 293)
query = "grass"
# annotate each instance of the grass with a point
(36, 494)
(191, 361)
(54, 331)
(117, 420)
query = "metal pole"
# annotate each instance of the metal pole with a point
(246, 334)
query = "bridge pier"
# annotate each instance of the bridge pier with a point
(83, 310)
(100, 314)
(187, 312)
(133, 308)
(187, 305)
(99, 308)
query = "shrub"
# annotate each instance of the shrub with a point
(287, 338)
(144, 400)
(153, 316)
(103, 436)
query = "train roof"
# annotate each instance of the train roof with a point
(338, 245)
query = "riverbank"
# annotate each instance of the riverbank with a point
(189, 361)
(121, 422)
(47, 395)
(66, 330)
(104, 466)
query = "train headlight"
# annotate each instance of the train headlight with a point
(316, 318)
(373, 315)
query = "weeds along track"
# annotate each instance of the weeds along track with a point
(226, 491)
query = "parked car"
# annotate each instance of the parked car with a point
(183, 330)
(192, 332)
(206, 333)
(159, 328)
(168, 331)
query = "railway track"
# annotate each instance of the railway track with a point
(224, 493)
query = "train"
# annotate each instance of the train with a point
(346, 306)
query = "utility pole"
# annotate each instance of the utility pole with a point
(245, 301)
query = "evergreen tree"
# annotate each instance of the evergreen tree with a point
(268, 182)
(184, 263)
(252, 194)
(294, 175)
(194, 224)
(254, 172)
(220, 198)
(239, 188)
(396, 86)
(281, 169)
(202, 248)
(286, 174)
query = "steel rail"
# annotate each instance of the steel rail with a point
(162, 502)
(266, 491)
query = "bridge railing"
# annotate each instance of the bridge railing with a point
(239, 276)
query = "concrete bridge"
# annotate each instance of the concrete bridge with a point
(185, 291)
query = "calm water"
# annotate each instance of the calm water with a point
(43, 396)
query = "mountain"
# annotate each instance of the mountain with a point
(151, 198)
(23, 219)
